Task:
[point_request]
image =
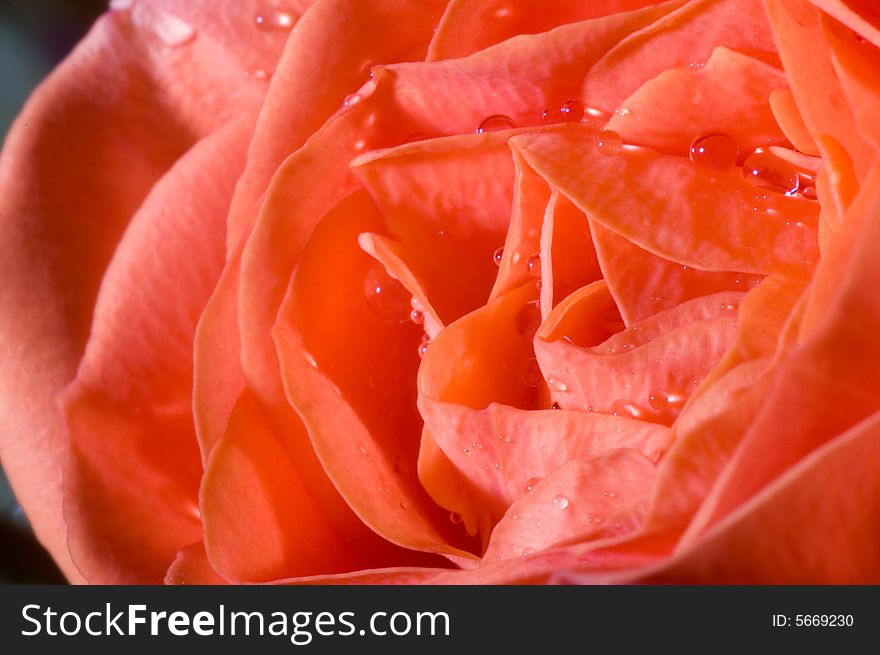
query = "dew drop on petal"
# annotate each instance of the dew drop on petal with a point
(496, 123)
(608, 142)
(534, 265)
(513, 516)
(658, 400)
(499, 466)
(527, 551)
(528, 319)
(573, 110)
(423, 347)
(717, 152)
(275, 20)
(261, 74)
(766, 171)
(555, 406)
(351, 99)
(386, 298)
(556, 384)
(530, 484)
(455, 517)
(560, 502)
(498, 256)
(417, 317)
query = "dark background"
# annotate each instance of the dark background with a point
(34, 36)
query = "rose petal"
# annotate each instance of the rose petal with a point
(792, 124)
(349, 369)
(325, 59)
(647, 371)
(673, 208)
(643, 284)
(503, 451)
(448, 216)
(859, 15)
(568, 256)
(831, 371)
(729, 95)
(191, 567)
(806, 56)
(530, 197)
(498, 21)
(571, 501)
(807, 527)
(683, 37)
(135, 379)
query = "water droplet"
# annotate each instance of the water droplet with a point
(717, 152)
(573, 110)
(534, 265)
(513, 516)
(622, 407)
(417, 317)
(621, 111)
(556, 384)
(498, 256)
(466, 451)
(496, 123)
(528, 319)
(261, 74)
(608, 142)
(658, 400)
(504, 438)
(270, 21)
(386, 298)
(530, 484)
(560, 502)
(594, 520)
(767, 171)
(423, 346)
(499, 466)
(173, 30)
(476, 445)
(455, 517)
(403, 504)
(527, 551)
(809, 193)
(555, 406)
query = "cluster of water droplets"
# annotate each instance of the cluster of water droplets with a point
(763, 168)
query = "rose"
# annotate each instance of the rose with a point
(269, 417)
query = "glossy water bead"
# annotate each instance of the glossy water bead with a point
(497, 256)
(386, 298)
(767, 171)
(717, 152)
(496, 123)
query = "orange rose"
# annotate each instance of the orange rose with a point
(450, 291)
